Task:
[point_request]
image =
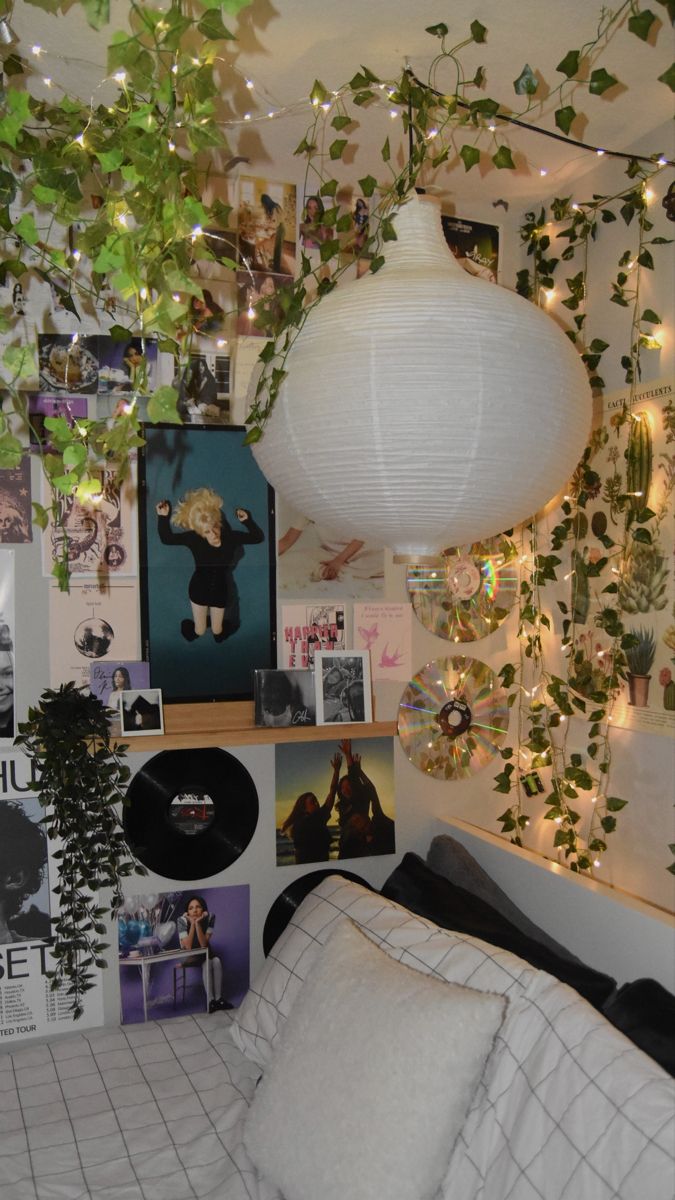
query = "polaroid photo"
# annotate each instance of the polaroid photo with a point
(343, 692)
(141, 712)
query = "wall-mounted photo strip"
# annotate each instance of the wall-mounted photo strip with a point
(204, 390)
(101, 536)
(284, 698)
(183, 952)
(110, 679)
(266, 225)
(7, 664)
(141, 712)
(334, 800)
(306, 628)
(208, 556)
(16, 512)
(474, 244)
(343, 688)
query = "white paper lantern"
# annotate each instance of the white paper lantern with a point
(424, 407)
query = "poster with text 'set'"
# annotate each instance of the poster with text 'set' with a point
(28, 873)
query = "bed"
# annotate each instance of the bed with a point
(560, 1104)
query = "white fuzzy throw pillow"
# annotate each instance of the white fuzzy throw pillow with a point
(371, 1079)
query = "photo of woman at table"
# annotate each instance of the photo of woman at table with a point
(195, 929)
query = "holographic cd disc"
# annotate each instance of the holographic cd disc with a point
(468, 592)
(453, 717)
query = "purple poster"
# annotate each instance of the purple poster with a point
(183, 952)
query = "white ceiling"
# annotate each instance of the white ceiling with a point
(284, 47)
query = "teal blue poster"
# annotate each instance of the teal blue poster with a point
(208, 557)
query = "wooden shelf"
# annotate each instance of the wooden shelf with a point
(230, 723)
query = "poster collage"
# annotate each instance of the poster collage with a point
(145, 549)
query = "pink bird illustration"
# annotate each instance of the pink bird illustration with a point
(390, 660)
(369, 636)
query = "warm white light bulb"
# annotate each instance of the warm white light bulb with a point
(250, 84)
(120, 77)
(37, 51)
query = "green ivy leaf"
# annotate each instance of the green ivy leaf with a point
(11, 451)
(336, 148)
(564, 118)
(340, 121)
(668, 77)
(439, 31)
(645, 259)
(25, 228)
(478, 31)
(211, 26)
(162, 405)
(614, 804)
(318, 94)
(386, 151)
(470, 155)
(601, 81)
(569, 65)
(503, 159)
(640, 24)
(527, 83)
(650, 316)
(98, 12)
(367, 185)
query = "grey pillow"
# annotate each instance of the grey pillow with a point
(449, 858)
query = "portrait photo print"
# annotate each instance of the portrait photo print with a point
(343, 691)
(207, 586)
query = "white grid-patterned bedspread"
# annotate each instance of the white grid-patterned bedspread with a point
(144, 1112)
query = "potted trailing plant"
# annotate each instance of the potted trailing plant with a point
(80, 780)
(639, 659)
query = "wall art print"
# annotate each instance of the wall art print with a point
(207, 563)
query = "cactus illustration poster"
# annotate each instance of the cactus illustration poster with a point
(632, 473)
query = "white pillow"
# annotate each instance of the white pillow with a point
(413, 940)
(371, 1079)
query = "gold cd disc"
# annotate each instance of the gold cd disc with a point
(453, 717)
(468, 591)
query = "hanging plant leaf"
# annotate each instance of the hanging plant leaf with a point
(340, 122)
(564, 118)
(640, 24)
(504, 159)
(440, 31)
(645, 259)
(569, 65)
(211, 26)
(98, 12)
(601, 81)
(470, 155)
(650, 316)
(386, 151)
(478, 31)
(527, 83)
(336, 148)
(367, 185)
(668, 77)
(318, 94)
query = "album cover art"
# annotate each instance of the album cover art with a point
(183, 951)
(306, 628)
(334, 800)
(15, 504)
(284, 698)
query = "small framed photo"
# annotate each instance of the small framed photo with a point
(284, 698)
(342, 680)
(141, 712)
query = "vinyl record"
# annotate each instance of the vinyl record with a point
(287, 901)
(453, 717)
(191, 813)
(468, 592)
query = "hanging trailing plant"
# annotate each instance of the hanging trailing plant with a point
(81, 780)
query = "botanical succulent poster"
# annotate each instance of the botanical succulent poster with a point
(632, 468)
